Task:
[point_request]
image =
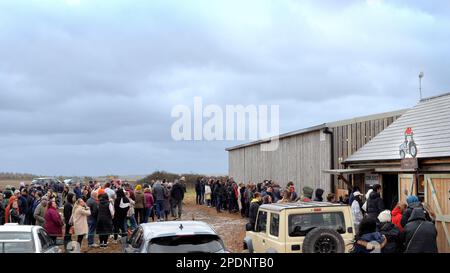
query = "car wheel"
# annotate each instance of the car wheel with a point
(323, 240)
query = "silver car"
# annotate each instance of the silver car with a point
(16, 238)
(174, 237)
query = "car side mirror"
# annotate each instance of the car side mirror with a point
(248, 227)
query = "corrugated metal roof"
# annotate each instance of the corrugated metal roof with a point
(430, 123)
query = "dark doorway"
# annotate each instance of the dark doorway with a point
(390, 190)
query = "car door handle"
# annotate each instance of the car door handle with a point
(264, 241)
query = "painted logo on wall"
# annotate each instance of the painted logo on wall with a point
(408, 146)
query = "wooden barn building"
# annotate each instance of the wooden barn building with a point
(303, 154)
(411, 156)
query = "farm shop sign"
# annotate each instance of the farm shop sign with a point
(372, 179)
(409, 163)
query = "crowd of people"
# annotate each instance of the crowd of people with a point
(108, 210)
(112, 209)
(409, 227)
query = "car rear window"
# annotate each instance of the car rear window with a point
(186, 244)
(16, 242)
(301, 224)
(274, 224)
(262, 221)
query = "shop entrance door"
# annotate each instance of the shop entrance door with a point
(390, 190)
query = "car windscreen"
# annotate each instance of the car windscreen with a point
(186, 244)
(301, 224)
(16, 242)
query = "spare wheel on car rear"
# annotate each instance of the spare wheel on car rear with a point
(323, 240)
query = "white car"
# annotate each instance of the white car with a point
(16, 238)
(174, 237)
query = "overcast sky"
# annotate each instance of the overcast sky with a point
(87, 86)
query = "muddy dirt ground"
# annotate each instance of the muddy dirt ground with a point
(230, 227)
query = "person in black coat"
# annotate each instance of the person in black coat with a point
(213, 195)
(121, 207)
(419, 235)
(413, 202)
(68, 207)
(197, 191)
(375, 204)
(219, 192)
(242, 193)
(104, 220)
(390, 231)
(177, 194)
(254, 206)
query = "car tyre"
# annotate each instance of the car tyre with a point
(323, 240)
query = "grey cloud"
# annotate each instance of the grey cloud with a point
(90, 88)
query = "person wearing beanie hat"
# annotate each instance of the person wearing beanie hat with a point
(390, 231)
(307, 194)
(413, 202)
(356, 209)
(139, 206)
(384, 216)
(411, 199)
(101, 191)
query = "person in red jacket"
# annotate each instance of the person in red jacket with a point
(8, 208)
(53, 221)
(397, 213)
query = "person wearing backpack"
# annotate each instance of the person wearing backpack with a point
(419, 235)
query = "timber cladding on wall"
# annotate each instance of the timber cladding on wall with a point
(299, 158)
(349, 136)
(303, 154)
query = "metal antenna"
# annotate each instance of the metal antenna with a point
(420, 84)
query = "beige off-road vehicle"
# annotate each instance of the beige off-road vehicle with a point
(301, 227)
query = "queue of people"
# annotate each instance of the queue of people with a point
(108, 210)
(408, 228)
